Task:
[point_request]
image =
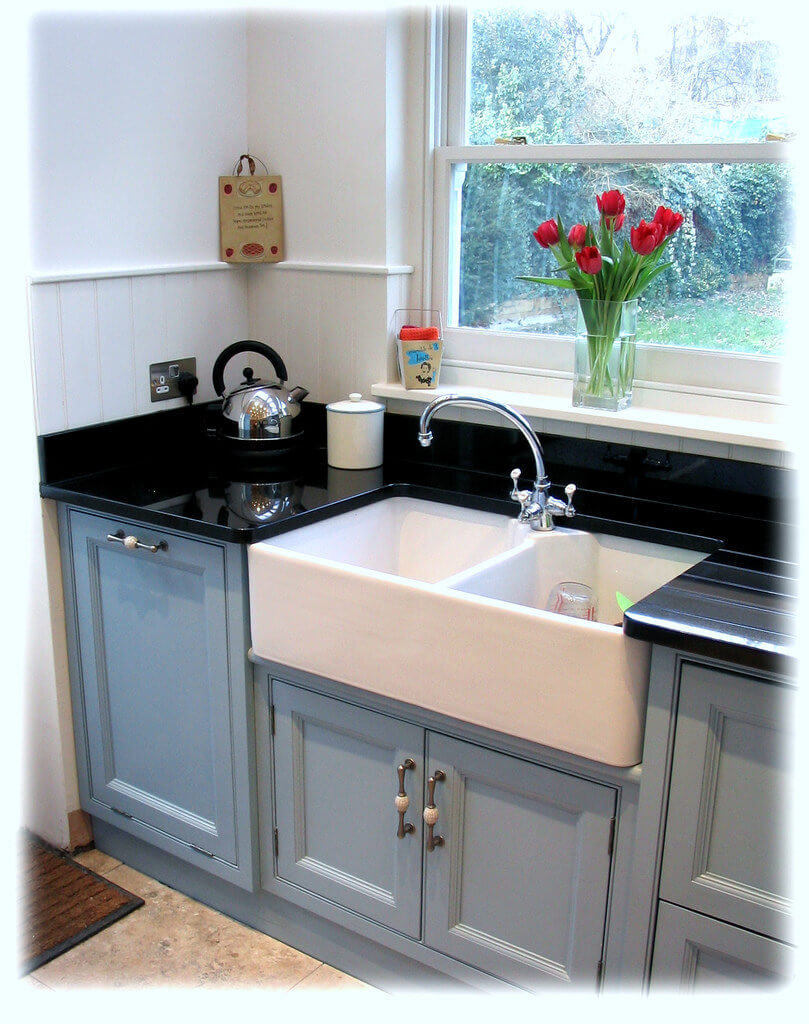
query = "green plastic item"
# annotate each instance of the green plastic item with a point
(623, 601)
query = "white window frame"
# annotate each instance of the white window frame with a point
(530, 362)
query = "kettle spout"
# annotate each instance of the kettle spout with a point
(298, 394)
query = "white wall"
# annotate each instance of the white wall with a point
(50, 787)
(327, 98)
(133, 118)
(316, 115)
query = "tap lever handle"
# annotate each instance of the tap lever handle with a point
(570, 490)
(516, 494)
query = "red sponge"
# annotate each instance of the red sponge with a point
(410, 333)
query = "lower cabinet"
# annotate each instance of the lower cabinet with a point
(414, 834)
(725, 916)
(700, 954)
(519, 885)
(337, 828)
(495, 861)
(726, 852)
(160, 687)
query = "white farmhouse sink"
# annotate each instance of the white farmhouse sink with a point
(527, 574)
(406, 537)
(443, 607)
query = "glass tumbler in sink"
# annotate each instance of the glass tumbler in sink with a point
(574, 599)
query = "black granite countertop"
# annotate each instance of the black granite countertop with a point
(745, 613)
(738, 604)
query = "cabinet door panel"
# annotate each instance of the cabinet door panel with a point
(727, 832)
(700, 954)
(519, 887)
(154, 683)
(335, 785)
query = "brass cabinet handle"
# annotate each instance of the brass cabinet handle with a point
(402, 801)
(431, 811)
(130, 542)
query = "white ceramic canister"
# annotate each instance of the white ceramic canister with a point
(354, 433)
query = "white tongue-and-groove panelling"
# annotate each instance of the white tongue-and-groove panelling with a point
(93, 339)
(331, 324)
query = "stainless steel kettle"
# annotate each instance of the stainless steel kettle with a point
(257, 410)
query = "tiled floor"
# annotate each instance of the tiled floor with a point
(173, 941)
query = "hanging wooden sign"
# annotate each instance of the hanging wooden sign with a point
(251, 220)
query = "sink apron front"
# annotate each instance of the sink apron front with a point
(474, 658)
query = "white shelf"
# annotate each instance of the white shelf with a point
(717, 429)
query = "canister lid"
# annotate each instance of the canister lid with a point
(355, 404)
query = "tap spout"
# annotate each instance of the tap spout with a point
(519, 421)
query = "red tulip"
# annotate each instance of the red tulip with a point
(589, 259)
(547, 233)
(668, 220)
(645, 238)
(611, 205)
(576, 236)
(618, 222)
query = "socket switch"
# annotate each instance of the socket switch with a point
(164, 378)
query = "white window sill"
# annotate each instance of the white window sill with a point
(760, 439)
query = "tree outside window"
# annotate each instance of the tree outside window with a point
(562, 78)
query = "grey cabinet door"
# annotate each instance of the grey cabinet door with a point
(700, 954)
(336, 783)
(726, 849)
(152, 689)
(519, 886)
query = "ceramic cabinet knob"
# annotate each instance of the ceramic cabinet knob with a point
(430, 815)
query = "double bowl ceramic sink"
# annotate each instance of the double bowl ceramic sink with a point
(444, 607)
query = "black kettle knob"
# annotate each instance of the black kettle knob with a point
(248, 374)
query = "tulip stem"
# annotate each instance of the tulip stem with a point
(610, 337)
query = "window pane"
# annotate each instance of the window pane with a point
(655, 76)
(731, 260)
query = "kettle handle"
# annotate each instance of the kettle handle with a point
(259, 348)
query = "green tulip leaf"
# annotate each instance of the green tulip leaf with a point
(548, 280)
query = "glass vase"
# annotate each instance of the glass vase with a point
(604, 369)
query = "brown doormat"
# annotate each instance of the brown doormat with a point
(62, 903)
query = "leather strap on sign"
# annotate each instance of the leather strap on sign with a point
(251, 164)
